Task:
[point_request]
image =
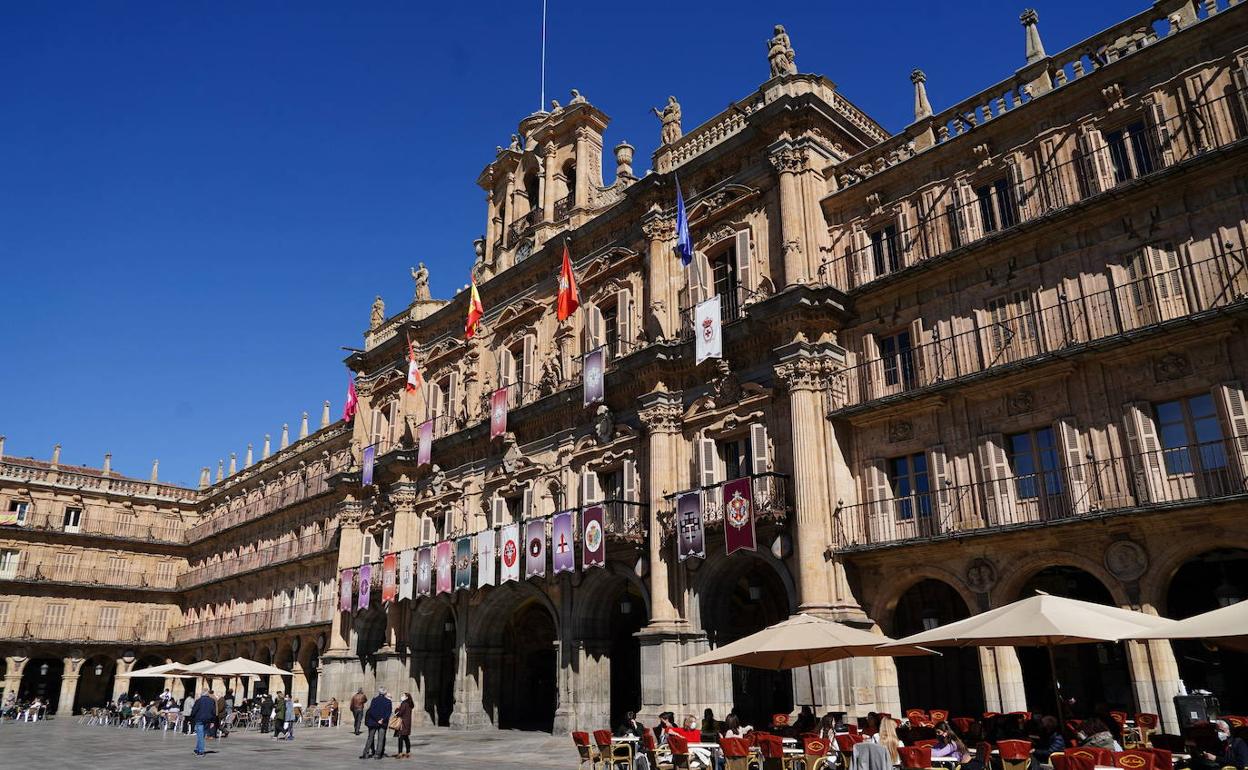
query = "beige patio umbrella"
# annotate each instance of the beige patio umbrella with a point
(163, 671)
(242, 667)
(1227, 627)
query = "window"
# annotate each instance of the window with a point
(884, 251)
(157, 622)
(515, 508)
(379, 426)
(117, 568)
(4, 620)
(997, 209)
(611, 330)
(612, 484)
(1011, 321)
(898, 356)
(1129, 152)
(72, 519)
(1033, 462)
(164, 573)
(1191, 438)
(9, 559)
(54, 619)
(64, 569)
(727, 283)
(907, 476)
(108, 617)
(735, 455)
(20, 510)
(1155, 284)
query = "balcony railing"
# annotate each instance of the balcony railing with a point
(93, 523)
(1144, 148)
(562, 207)
(68, 477)
(624, 521)
(1177, 291)
(770, 493)
(1170, 477)
(263, 557)
(38, 631)
(277, 618)
(523, 225)
(103, 577)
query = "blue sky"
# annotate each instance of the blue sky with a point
(199, 200)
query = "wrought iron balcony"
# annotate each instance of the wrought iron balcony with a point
(41, 631)
(94, 524)
(277, 618)
(770, 493)
(625, 521)
(288, 550)
(87, 575)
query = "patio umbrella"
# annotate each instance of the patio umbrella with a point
(242, 667)
(1227, 627)
(163, 671)
(1039, 621)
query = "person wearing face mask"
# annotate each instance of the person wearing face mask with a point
(1234, 751)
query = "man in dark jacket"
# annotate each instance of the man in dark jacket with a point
(358, 702)
(376, 720)
(204, 712)
(266, 709)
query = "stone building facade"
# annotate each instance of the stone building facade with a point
(997, 352)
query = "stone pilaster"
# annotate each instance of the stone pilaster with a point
(790, 162)
(584, 141)
(1003, 679)
(69, 685)
(548, 182)
(125, 664)
(660, 315)
(14, 666)
(661, 413)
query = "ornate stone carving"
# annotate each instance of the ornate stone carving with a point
(662, 417)
(420, 276)
(1020, 402)
(788, 160)
(670, 117)
(552, 375)
(1113, 96)
(900, 430)
(725, 387)
(807, 373)
(659, 228)
(875, 202)
(378, 313)
(1126, 560)
(721, 233)
(1171, 366)
(604, 424)
(780, 53)
(981, 575)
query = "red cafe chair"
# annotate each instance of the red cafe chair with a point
(586, 750)
(916, 716)
(650, 746)
(1095, 755)
(1146, 724)
(962, 724)
(915, 757)
(679, 745)
(851, 729)
(772, 749)
(780, 720)
(611, 753)
(1163, 759)
(1235, 720)
(991, 715)
(603, 739)
(1023, 716)
(1120, 717)
(815, 750)
(736, 753)
(845, 745)
(928, 742)
(1134, 759)
(1059, 761)
(1077, 761)
(1015, 755)
(938, 715)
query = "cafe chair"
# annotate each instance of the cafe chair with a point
(1134, 759)
(1102, 757)
(915, 757)
(916, 716)
(815, 750)
(679, 746)
(736, 753)
(1066, 761)
(962, 724)
(586, 750)
(1015, 755)
(938, 715)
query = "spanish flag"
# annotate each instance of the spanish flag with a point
(569, 299)
(475, 311)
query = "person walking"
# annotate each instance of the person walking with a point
(202, 714)
(358, 702)
(376, 720)
(404, 733)
(288, 712)
(187, 706)
(266, 712)
(279, 715)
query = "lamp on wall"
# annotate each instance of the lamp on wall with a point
(626, 606)
(43, 670)
(929, 619)
(755, 591)
(98, 669)
(1226, 594)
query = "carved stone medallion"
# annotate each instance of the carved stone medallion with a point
(1126, 560)
(981, 575)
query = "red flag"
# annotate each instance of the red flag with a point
(475, 311)
(353, 403)
(569, 299)
(414, 380)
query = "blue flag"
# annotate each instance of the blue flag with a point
(684, 244)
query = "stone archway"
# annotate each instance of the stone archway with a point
(42, 679)
(96, 677)
(1202, 583)
(1096, 676)
(435, 658)
(146, 688)
(950, 681)
(513, 653)
(610, 606)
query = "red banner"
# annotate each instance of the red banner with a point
(445, 560)
(739, 516)
(498, 413)
(389, 585)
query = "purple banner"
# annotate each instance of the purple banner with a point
(562, 543)
(535, 548)
(345, 589)
(593, 390)
(424, 587)
(463, 563)
(593, 541)
(444, 567)
(366, 477)
(739, 516)
(366, 586)
(424, 453)
(691, 536)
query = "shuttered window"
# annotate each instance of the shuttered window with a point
(1191, 437)
(908, 480)
(885, 254)
(997, 208)
(1033, 461)
(1129, 151)
(897, 356)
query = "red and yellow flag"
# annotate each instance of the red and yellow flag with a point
(569, 299)
(475, 311)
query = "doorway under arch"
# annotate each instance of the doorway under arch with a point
(147, 688)
(628, 616)
(435, 658)
(951, 680)
(1206, 582)
(529, 674)
(42, 679)
(95, 689)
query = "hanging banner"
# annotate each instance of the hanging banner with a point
(593, 546)
(498, 413)
(562, 543)
(445, 559)
(407, 561)
(738, 516)
(389, 578)
(463, 563)
(535, 548)
(593, 388)
(509, 552)
(485, 558)
(345, 589)
(707, 332)
(365, 588)
(691, 535)
(366, 477)
(424, 585)
(424, 452)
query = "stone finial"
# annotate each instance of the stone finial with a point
(155, 471)
(624, 161)
(220, 469)
(56, 456)
(303, 426)
(1035, 49)
(267, 451)
(233, 463)
(325, 415)
(250, 457)
(285, 435)
(1, 447)
(203, 477)
(108, 464)
(922, 107)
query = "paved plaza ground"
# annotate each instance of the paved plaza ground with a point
(65, 743)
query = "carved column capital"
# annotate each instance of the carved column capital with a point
(661, 412)
(657, 227)
(808, 367)
(788, 159)
(350, 512)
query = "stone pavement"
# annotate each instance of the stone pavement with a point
(65, 743)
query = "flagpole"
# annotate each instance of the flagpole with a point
(541, 102)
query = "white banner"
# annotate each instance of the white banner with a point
(509, 553)
(485, 558)
(407, 561)
(706, 330)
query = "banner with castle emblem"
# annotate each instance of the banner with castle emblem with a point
(463, 563)
(366, 476)
(498, 413)
(706, 330)
(424, 451)
(407, 561)
(445, 563)
(690, 532)
(485, 558)
(345, 587)
(562, 543)
(593, 388)
(535, 548)
(739, 516)
(365, 588)
(424, 568)
(509, 552)
(592, 540)
(389, 578)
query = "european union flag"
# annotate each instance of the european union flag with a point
(684, 244)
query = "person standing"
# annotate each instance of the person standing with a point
(376, 720)
(279, 715)
(187, 706)
(358, 702)
(404, 733)
(266, 712)
(203, 713)
(288, 712)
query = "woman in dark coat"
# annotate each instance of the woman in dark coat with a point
(404, 733)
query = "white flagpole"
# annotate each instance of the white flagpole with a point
(541, 102)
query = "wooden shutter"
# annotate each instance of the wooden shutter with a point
(1095, 159)
(528, 371)
(526, 502)
(698, 275)
(745, 266)
(628, 484)
(862, 260)
(452, 401)
(623, 322)
(506, 367)
(1230, 399)
(904, 236)
(433, 402)
(500, 512)
(879, 494)
(940, 481)
(1018, 187)
(760, 460)
(707, 462)
(966, 212)
(1075, 464)
(593, 328)
(1156, 114)
(1144, 449)
(871, 368)
(1167, 279)
(590, 491)
(998, 481)
(920, 353)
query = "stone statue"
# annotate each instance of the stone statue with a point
(515, 143)
(554, 105)
(421, 276)
(781, 54)
(552, 375)
(378, 315)
(671, 120)
(577, 98)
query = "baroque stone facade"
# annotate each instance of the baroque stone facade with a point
(999, 351)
